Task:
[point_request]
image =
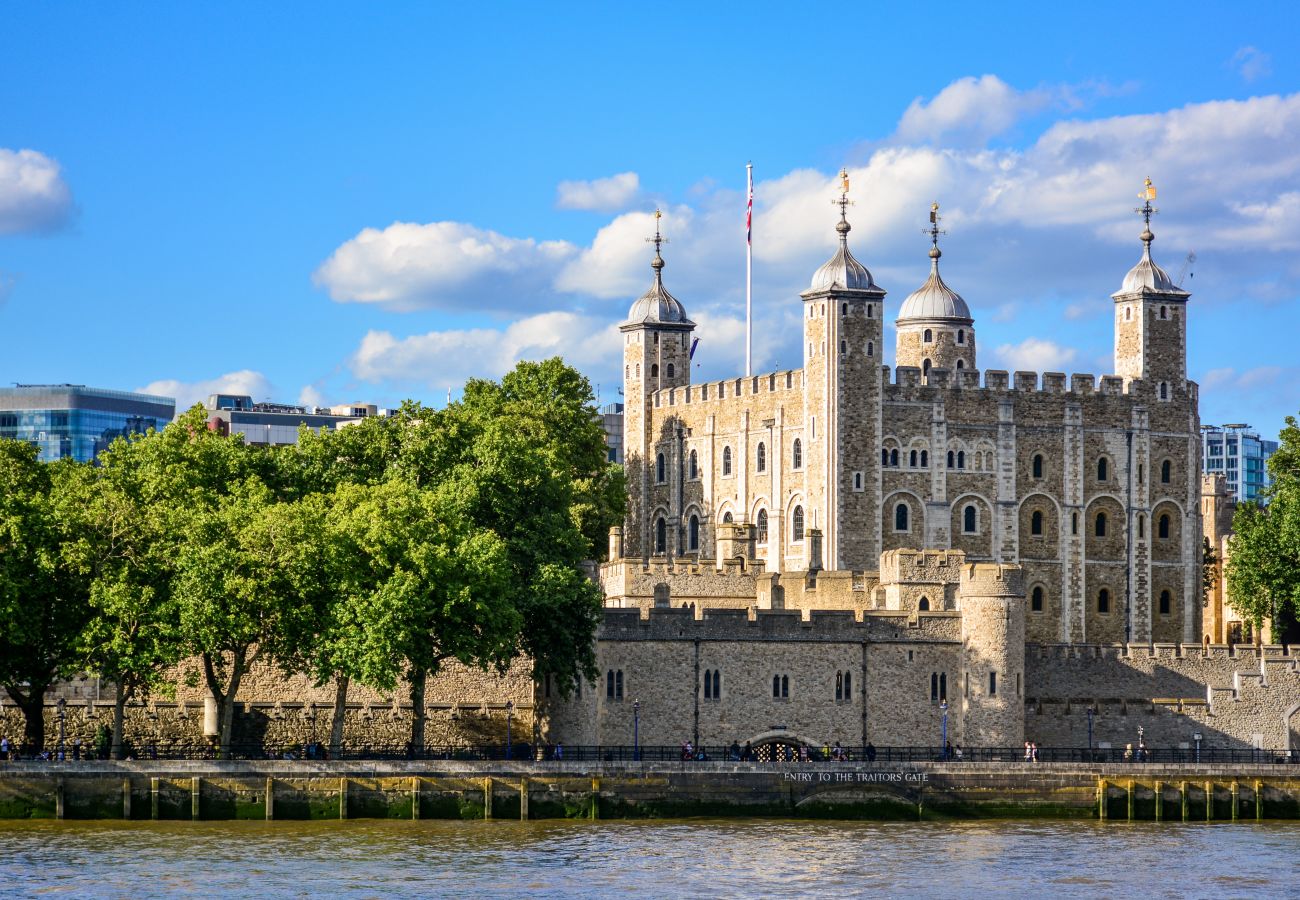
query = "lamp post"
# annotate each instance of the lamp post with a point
(1142, 748)
(63, 712)
(943, 739)
(510, 711)
(1092, 711)
(636, 730)
(1197, 737)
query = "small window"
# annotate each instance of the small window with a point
(1103, 601)
(726, 460)
(961, 335)
(726, 517)
(796, 454)
(717, 684)
(1164, 390)
(1036, 600)
(857, 481)
(670, 370)
(1166, 601)
(911, 459)
(1074, 523)
(694, 465)
(661, 535)
(618, 685)
(708, 684)
(929, 336)
(884, 456)
(993, 684)
(925, 369)
(1036, 523)
(1142, 525)
(1038, 465)
(839, 685)
(844, 348)
(871, 348)
(925, 459)
(1141, 473)
(893, 458)
(654, 370)
(693, 534)
(762, 457)
(1101, 524)
(762, 526)
(796, 524)
(780, 687)
(1164, 527)
(923, 604)
(960, 365)
(1103, 469)
(1164, 312)
(1166, 470)
(968, 522)
(848, 685)
(934, 687)
(952, 460)
(900, 517)
(844, 309)
(1128, 313)
(870, 311)
(661, 469)
(961, 459)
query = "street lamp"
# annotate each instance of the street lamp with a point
(943, 741)
(63, 711)
(636, 730)
(1092, 711)
(510, 711)
(1197, 737)
(1142, 748)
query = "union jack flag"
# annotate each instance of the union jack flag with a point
(749, 210)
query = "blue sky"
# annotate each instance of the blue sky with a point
(329, 203)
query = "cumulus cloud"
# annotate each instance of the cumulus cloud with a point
(1035, 355)
(445, 265)
(602, 194)
(34, 197)
(1251, 63)
(968, 111)
(187, 393)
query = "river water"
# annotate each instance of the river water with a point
(680, 858)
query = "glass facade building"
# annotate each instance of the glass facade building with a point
(1240, 455)
(73, 421)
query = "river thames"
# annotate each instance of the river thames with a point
(695, 858)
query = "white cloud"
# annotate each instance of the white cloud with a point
(311, 396)
(1076, 311)
(968, 111)
(1035, 355)
(187, 393)
(444, 265)
(33, 195)
(603, 194)
(1251, 63)
(7, 284)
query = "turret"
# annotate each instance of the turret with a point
(992, 598)
(656, 355)
(935, 328)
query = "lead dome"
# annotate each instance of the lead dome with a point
(934, 299)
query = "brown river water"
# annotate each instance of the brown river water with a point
(679, 858)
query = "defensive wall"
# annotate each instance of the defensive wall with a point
(934, 791)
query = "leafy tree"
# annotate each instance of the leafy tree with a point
(42, 603)
(1209, 570)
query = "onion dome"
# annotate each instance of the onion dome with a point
(656, 306)
(842, 271)
(934, 299)
(1147, 277)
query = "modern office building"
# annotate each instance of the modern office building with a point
(1240, 455)
(75, 421)
(611, 420)
(276, 424)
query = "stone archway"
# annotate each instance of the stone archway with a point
(1291, 722)
(780, 746)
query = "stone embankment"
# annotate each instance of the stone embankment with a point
(474, 790)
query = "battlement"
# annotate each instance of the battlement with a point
(667, 566)
(992, 580)
(714, 624)
(924, 566)
(999, 381)
(1245, 652)
(789, 380)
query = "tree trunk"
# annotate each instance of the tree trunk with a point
(418, 678)
(225, 699)
(340, 713)
(119, 720)
(33, 707)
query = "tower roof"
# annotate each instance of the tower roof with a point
(1147, 277)
(842, 271)
(934, 299)
(656, 306)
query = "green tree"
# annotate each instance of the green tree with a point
(43, 604)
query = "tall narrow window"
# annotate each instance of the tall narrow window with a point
(717, 684)
(654, 370)
(871, 348)
(1164, 527)
(893, 458)
(943, 686)
(952, 460)
(968, 520)
(1103, 601)
(911, 460)
(661, 535)
(762, 457)
(1165, 471)
(618, 685)
(1166, 601)
(695, 465)
(993, 684)
(693, 534)
(884, 456)
(1038, 465)
(776, 686)
(670, 370)
(961, 336)
(923, 604)
(796, 524)
(925, 459)
(961, 459)
(1142, 525)
(929, 336)
(925, 368)
(1101, 524)
(785, 686)
(762, 526)
(1036, 523)
(1103, 469)
(844, 347)
(661, 469)
(839, 685)
(609, 684)
(848, 685)
(1036, 600)
(796, 454)
(934, 687)
(726, 460)
(900, 517)
(844, 309)
(1074, 523)
(708, 684)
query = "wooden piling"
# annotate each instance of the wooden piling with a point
(1182, 794)
(595, 798)
(1236, 796)
(58, 798)
(126, 798)
(1160, 800)
(415, 796)
(153, 798)
(270, 799)
(196, 794)
(523, 799)
(343, 798)
(1130, 799)
(1259, 800)
(1209, 801)
(487, 797)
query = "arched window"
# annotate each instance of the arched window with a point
(911, 460)
(618, 685)
(1142, 525)
(839, 685)
(695, 465)
(925, 368)
(1103, 601)
(717, 684)
(708, 684)
(1166, 601)
(848, 685)
(952, 460)
(893, 458)
(654, 370)
(844, 309)
(923, 604)
(884, 456)
(1164, 312)
(1103, 469)
(796, 454)
(1165, 472)
(670, 370)
(1101, 524)
(871, 348)
(762, 457)
(661, 469)
(960, 365)
(776, 686)
(1036, 600)
(900, 517)
(1038, 465)
(1164, 390)
(726, 517)
(693, 533)
(844, 348)
(929, 336)
(762, 526)
(726, 460)
(1074, 523)
(785, 686)
(925, 459)
(796, 524)
(968, 519)
(661, 535)
(1164, 527)
(961, 335)
(870, 311)
(609, 684)
(934, 687)
(961, 459)
(1036, 523)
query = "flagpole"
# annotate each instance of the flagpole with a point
(749, 273)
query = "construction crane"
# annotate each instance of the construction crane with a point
(1186, 270)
